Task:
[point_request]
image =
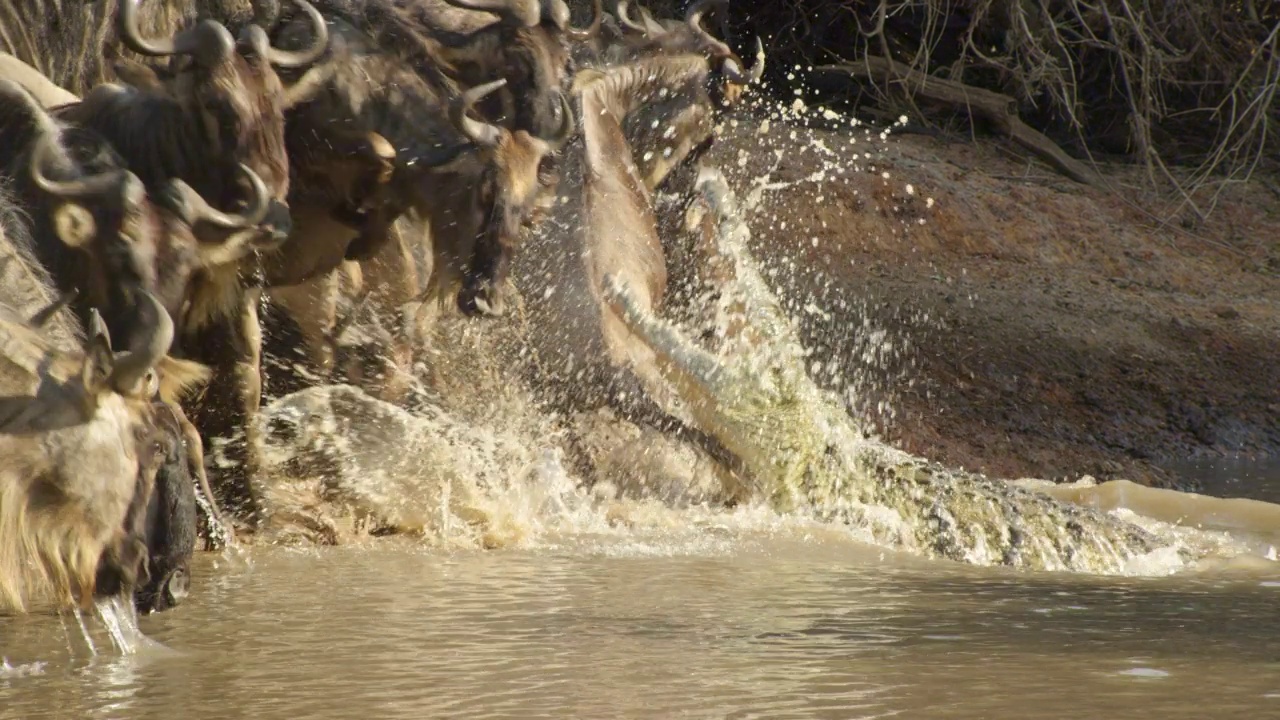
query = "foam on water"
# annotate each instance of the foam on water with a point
(486, 464)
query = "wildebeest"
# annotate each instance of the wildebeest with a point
(216, 110)
(671, 38)
(81, 449)
(167, 524)
(526, 42)
(99, 234)
(469, 188)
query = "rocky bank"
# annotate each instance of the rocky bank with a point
(990, 314)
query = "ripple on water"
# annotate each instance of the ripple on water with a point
(783, 626)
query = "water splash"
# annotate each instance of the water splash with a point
(485, 463)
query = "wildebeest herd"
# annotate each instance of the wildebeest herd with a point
(170, 165)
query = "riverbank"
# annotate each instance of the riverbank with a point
(990, 314)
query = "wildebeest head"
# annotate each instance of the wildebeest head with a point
(218, 105)
(81, 201)
(701, 77)
(79, 434)
(530, 48)
(671, 38)
(153, 557)
(513, 192)
(98, 231)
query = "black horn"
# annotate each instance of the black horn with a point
(209, 41)
(480, 133)
(302, 58)
(43, 158)
(565, 130)
(555, 12)
(732, 67)
(694, 19)
(520, 13)
(626, 20)
(193, 208)
(590, 31)
(133, 365)
(44, 315)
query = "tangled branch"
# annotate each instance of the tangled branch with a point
(1187, 88)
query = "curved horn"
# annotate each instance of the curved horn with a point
(757, 70)
(480, 133)
(694, 19)
(193, 208)
(521, 13)
(132, 365)
(131, 35)
(565, 131)
(653, 27)
(732, 67)
(555, 12)
(209, 40)
(46, 313)
(626, 20)
(590, 31)
(42, 157)
(302, 58)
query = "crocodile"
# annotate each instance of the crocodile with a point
(806, 453)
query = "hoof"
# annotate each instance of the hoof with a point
(480, 302)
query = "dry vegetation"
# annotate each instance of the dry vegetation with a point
(1187, 89)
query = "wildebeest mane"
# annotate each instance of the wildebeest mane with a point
(75, 42)
(382, 105)
(160, 140)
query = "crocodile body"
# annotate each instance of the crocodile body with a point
(805, 453)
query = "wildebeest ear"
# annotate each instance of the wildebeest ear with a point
(99, 361)
(138, 75)
(74, 224)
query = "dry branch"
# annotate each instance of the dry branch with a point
(1000, 110)
(1188, 89)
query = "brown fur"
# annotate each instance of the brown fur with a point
(64, 492)
(74, 43)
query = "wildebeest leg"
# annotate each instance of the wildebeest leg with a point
(312, 306)
(392, 278)
(249, 377)
(228, 408)
(218, 532)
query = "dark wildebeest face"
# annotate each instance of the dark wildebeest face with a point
(530, 47)
(92, 224)
(153, 559)
(514, 190)
(98, 232)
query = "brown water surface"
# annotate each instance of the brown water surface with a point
(765, 625)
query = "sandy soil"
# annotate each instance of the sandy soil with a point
(1035, 326)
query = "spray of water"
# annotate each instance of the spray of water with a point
(489, 462)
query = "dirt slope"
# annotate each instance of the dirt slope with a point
(1037, 326)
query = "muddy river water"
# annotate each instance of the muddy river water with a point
(710, 622)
